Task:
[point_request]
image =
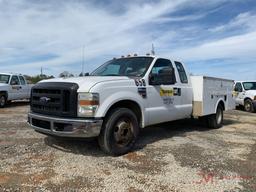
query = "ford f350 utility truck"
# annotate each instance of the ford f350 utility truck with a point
(124, 95)
(245, 95)
(13, 87)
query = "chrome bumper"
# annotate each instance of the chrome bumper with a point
(65, 127)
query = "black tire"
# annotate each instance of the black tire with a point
(119, 132)
(248, 106)
(215, 121)
(3, 100)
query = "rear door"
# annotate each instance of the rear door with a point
(186, 93)
(163, 99)
(24, 89)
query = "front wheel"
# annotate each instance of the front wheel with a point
(119, 132)
(248, 106)
(2, 101)
(215, 121)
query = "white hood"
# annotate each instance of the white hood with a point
(86, 83)
(252, 93)
(3, 85)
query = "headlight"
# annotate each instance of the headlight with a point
(87, 104)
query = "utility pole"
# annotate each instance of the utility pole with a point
(83, 61)
(153, 49)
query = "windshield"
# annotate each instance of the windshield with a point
(4, 78)
(249, 85)
(134, 67)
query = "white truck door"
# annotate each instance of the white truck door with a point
(239, 94)
(186, 93)
(163, 98)
(14, 91)
(24, 90)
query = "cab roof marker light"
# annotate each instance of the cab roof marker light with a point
(135, 55)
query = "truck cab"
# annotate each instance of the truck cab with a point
(13, 87)
(245, 95)
(121, 97)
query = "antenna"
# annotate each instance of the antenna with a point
(153, 49)
(83, 61)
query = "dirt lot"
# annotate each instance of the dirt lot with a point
(180, 156)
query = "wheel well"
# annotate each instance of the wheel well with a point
(247, 98)
(132, 105)
(222, 104)
(4, 93)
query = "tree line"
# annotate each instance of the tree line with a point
(37, 78)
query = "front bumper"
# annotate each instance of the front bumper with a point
(80, 128)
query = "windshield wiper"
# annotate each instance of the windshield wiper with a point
(112, 75)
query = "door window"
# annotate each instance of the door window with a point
(238, 87)
(15, 80)
(162, 72)
(182, 72)
(22, 80)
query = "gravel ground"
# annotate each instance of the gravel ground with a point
(178, 156)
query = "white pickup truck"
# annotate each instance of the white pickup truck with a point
(245, 95)
(13, 87)
(124, 95)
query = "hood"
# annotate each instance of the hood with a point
(86, 83)
(3, 84)
(251, 92)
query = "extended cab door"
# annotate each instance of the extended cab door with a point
(239, 94)
(186, 92)
(164, 95)
(14, 90)
(24, 88)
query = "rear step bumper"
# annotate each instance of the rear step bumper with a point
(63, 127)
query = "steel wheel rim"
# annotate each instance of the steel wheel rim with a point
(247, 106)
(2, 101)
(123, 132)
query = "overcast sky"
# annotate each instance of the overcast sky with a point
(213, 37)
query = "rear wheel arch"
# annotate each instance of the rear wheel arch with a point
(222, 104)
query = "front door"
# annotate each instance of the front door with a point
(163, 99)
(239, 94)
(14, 91)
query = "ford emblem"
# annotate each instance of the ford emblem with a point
(45, 99)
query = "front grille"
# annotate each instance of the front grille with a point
(55, 98)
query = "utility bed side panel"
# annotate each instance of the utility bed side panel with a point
(208, 92)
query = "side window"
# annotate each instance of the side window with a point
(238, 87)
(15, 80)
(22, 80)
(163, 72)
(182, 72)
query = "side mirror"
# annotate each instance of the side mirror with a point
(165, 76)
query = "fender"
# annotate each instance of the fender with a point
(6, 94)
(217, 103)
(120, 96)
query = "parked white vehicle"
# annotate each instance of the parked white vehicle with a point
(124, 95)
(13, 87)
(245, 95)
